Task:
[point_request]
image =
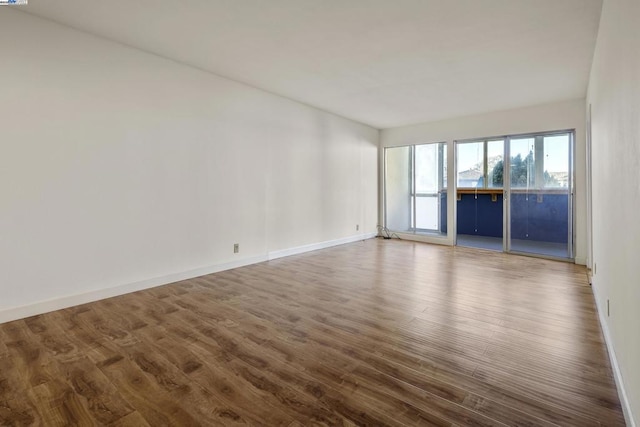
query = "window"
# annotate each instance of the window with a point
(495, 163)
(540, 162)
(415, 188)
(480, 164)
(523, 158)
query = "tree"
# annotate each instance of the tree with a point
(521, 171)
(497, 177)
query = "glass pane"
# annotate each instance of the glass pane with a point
(470, 164)
(443, 187)
(556, 161)
(523, 163)
(427, 213)
(426, 168)
(398, 188)
(495, 163)
(443, 159)
(539, 202)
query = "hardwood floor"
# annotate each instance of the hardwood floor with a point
(371, 333)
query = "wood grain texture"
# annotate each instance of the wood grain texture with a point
(372, 333)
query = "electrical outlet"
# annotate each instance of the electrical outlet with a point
(236, 248)
(357, 227)
(595, 268)
(608, 309)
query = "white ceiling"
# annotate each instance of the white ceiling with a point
(385, 63)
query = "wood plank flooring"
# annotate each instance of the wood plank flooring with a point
(372, 333)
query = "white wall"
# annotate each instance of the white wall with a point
(614, 95)
(558, 116)
(121, 170)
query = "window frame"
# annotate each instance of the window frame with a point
(485, 163)
(442, 156)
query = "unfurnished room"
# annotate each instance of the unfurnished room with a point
(341, 213)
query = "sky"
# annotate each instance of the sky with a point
(556, 150)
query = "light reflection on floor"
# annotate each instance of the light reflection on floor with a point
(558, 250)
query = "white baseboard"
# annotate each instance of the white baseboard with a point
(580, 260)
(321, 245)
(622, 393)
(46, 306)
(425, 238)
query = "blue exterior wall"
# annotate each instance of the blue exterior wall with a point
(480, 216)
(539, 217)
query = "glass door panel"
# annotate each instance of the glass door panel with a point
(415, 188)
(495, 163)
(398, 177)
(540, 195)
(427, 212)
(470, 164)
(427, 187)
(480, 195)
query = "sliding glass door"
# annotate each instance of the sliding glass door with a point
(479, 186)
(428, 185)
(540, 194)
(415, 188)
(515, 194)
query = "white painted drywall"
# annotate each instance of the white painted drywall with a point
(558, 116)
(118, 167)
(614, 95)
